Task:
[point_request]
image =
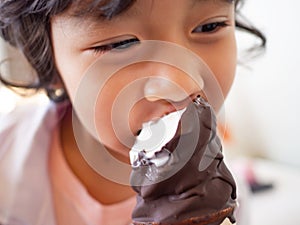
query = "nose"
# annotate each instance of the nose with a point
(170, 84)
(157, 88)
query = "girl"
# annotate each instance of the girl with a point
(49, 172)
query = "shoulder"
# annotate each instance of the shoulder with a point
(27, 116)
(27, 127)
(25, 135)
(22, 129)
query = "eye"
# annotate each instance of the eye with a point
(120, 45)
(210, 27)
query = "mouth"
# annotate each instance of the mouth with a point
(138, 132)
(175, 107)
(154, 135)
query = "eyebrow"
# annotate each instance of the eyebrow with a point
(78, 18)
(193, 2)
(215, 1)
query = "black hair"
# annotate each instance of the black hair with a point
(26, 25)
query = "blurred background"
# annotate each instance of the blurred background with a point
(262, 139)
(266, 93)
(263, 114)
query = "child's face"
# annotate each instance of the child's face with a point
(204, 27)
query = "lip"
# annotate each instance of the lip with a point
(171, 107)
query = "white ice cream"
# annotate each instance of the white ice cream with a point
(155, 135)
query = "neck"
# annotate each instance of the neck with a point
(102, 189)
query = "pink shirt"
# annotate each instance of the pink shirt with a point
(73, 204)
(36, 185)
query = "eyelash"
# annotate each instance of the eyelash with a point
(116, 45)
(206, 28)
(211, 27)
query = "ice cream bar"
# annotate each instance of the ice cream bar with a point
(178, 171)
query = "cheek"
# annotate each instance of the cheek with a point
(225, 73)
(71, 70)
(222, 60)
(112, 109)
(69, 61)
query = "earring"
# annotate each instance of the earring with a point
(57, 95)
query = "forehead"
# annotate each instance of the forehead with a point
(108, 9)
(93, 20)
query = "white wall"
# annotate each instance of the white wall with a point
(263, 109)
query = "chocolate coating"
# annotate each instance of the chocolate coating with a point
(195, 183)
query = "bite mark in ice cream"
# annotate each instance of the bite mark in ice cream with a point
(153, 136)
(182, 178)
